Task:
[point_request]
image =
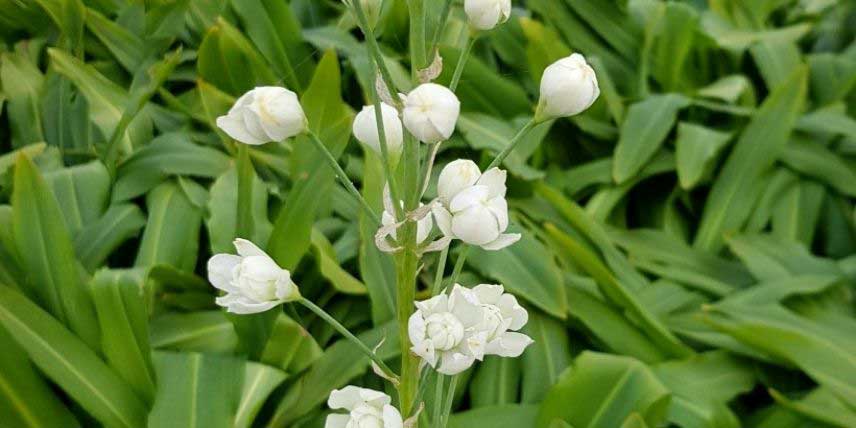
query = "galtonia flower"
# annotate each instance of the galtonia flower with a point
(443, 331)
(472, 206)
(366, 408)
(264, 114)
(253, 282)
(365, 129)
(431, 112)
(568, 87)
(502, 317)
(486, 14)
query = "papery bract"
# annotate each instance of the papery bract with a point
(443, 331)
(366, 408)
(431, 112)
(264, 114)
(366, 131)
(253, 282)
(487, 14)
(568, 87)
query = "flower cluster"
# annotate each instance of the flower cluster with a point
(366, 408)
(450, 332)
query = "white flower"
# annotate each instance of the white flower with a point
(365, 128)
(366, 408)
(486, 14)
(253, 282)
(443, 331)
(502, 316)
(264, 114)
(423, 226)
(431, 112)
(473, 207)
(568, 87)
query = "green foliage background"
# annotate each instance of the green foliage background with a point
(689, 250)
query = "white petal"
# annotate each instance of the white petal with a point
(438, 303)
(464, 305)
(423, 228)
(444, 220)
(337, 421)
(488, 293)
(453, 363)
(511, 344)
(475, 226)
(247, 249)
(456, 176)
(468, 197)
(494, 179)
(499, 207)
(243, 306)
(220, 268)
(502, 241)
(233, 126)
(392, 417)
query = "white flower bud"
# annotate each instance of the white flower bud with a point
(568, 87)
(486, 14)
(474, 211)
(502, 317)
(365, 128)
(431, 112)
(443, 331)
(366, 408)
(264, 114)
(253, 282)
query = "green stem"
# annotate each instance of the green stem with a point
(441, 267)
(462, 62)
(444, 16)
(418, 57)
(513, 143)
(459, 265)
(450, 398)
(348, 335)
(436, 416)
(244, 217)
(374, 51)
(406, 294)
(342, 176)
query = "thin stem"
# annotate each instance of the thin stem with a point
(444, 16)
(436, 415)
(441, 267)
(350, 336)
(462, 61)
(418, 57)
(459, 264)
(426, 179)
(374, 50)
(342, 176)
(513, 143)
(450, 398)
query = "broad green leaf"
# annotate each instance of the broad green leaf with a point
(768, 257)
(673, 43)
(501, 416)
(602, 390)
(82, 192)
(820, 405)
(795, 216)
(31, 151)
(325, 257)
(815, 160)
(222, 49)
(729, 89)
(275, 31)
(832, 77)
(526, 269)
(696, 151)
(615, 26)
(68, 16)
(290, 347)
(259, 381)
(543, 48)
(68, 113)
(495, 382)
(222, 208)
(22, 84)
(196, 390)
(70, 363)
(26, 400)
(47, 254)
(376, 268)
(728, 206)
(128, 49)
(95, 242)
(542, 362)
(203, 331)
(121, 308)
(171, 235)
(486, 132)
(775, 60)
(329, 118)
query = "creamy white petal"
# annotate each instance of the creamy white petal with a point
(510, 344)
(475, 225)
(473, 195)
(499, 208)
(247, 249)
(488, 293)
(244, 306)
(465, 306)
(337, 421)
(444, 220)
(494, 179)
(392, 417)
(502, 241)
(220, 268)
(456, 176)
(233, 125)
(453, 363)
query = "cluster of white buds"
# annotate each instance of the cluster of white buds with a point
(450, 332)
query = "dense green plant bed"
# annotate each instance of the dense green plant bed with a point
(687, 245)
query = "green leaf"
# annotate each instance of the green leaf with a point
(222, 219)
(70, 363)
(376, 268)
(602, 390)
(325, 256)
(290, 347)
(696, 150)
(259, 381)
(487, 132)
(776, 60)
(330, 118)
(95, 242)
(26, 400)
(47, 255)
(196, 390)
(82, 192)
(171, 235)
(222, 48)
(203, 331)
(821, 405)
(527, 270)
(275, 31)
(22, 83)
(127, 47)
(815, 160)
(68, 16)
(729, 206)
(543, 362)
(503, 416)
(495, 382)
(643, 132)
